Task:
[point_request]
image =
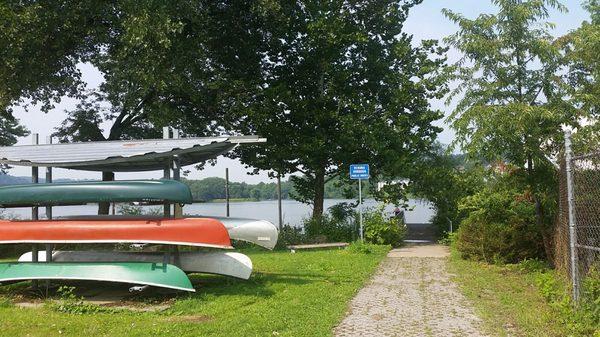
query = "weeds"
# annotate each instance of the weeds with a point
(70, 303)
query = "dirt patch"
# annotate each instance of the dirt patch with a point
(415, 250)
(29, 305)
(104, 295)
(191, 319)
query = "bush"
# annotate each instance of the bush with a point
(382, 230)
(336, 226)
(327, 229)
(582, 319)
(290, 235)
(500, 227)
(590, 299)
(447, 239)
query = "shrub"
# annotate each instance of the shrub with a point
(447, 239)
(582, 319)
(590, 299)
(290, 235)
(382, 230)
(500, 227)
(327, 229)
(338, 225)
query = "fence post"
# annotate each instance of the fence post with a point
(572, 219)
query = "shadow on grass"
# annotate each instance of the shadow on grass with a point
(259, 284)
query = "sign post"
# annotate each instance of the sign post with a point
(360, 172)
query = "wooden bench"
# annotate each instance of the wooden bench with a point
(293, 248)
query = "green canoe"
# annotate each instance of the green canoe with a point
(153, 274)
(77, 193)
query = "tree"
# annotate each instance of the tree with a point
(167, 63)
(328, 83)
(444, 180)
(84, 124)
(161, 61)
(41, 44)
(512, 105)
(582, 48)
(9, 131)
(341, 83)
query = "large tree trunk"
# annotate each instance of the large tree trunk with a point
(319, 195)
(104, 207)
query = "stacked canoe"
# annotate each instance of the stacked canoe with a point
(167, 268)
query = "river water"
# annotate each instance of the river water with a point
(293, 211)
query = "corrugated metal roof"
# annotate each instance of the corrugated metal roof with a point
(122, 156)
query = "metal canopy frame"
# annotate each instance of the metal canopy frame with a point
(123, 156)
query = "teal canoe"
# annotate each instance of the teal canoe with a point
(77, 193)
(145, 273)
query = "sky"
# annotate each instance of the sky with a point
(424, 22)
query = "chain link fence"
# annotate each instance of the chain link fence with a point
(577, 237)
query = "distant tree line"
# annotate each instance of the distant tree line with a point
(213, 188)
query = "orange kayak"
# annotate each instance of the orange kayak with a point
(201, 232)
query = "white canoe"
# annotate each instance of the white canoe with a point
(221, 263)
(259, 232)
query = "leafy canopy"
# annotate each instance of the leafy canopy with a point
(511, 92)
(341, 84)
(581, 48)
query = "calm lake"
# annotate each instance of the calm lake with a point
(293, 211)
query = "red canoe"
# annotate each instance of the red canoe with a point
(200, 232)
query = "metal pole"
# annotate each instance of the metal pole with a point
(572, 219)
(360, 210)
(227, 192)
(177, 208)
(279, 201)
(167, 174)
(34, 210)
(49, 247)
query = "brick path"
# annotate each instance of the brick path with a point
(411, 295)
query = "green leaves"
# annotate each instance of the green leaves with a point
(41, 43)
(343, 84)
(328, 83)
(10, 130)
(512, 98)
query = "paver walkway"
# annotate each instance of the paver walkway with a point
(411, 295)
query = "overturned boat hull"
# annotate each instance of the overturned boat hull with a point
(220, 263)
(198, 232)
(82, 192)
(152, 274)
(260, 232)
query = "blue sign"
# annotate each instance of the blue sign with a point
(359, 171)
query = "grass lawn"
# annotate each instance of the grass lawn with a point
(507, 299)
(301, 294)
